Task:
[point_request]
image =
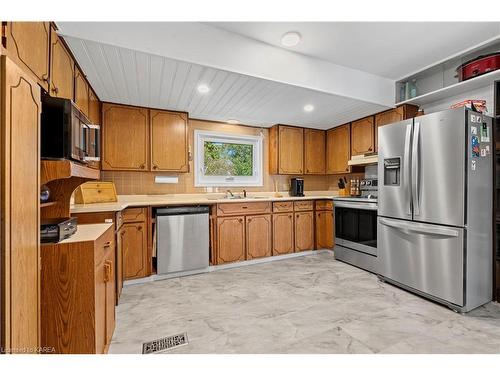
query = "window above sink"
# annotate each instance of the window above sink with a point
(225, 159)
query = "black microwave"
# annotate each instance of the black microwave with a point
(67, 133)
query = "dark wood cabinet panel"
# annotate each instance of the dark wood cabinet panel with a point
(362, 136)
(314, 151)
(230, 239)
(283, 233)
(304, 231)
(338, 149)
(134, 249)
(324, 230)
(258, 236)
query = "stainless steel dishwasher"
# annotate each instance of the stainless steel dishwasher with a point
(182, 239)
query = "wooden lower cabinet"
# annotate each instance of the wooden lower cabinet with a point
(258, 236)
(283, 233)
(324, 230)
(78, 295)
(230, 239)
(134, 243)
(304, 231)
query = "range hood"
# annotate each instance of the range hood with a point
(365, 159)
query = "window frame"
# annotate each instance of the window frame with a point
(201, 180)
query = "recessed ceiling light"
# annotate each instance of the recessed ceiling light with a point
(308, 108)
(290, 39)
(233, 121)
(203, 89)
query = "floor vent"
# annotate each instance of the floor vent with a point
(165, 343)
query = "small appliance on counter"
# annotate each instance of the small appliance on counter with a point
(56, 230)
(297, 187)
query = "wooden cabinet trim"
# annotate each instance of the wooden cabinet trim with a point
(243, 208)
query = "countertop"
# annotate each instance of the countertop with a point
(87, 232)
(125, 201)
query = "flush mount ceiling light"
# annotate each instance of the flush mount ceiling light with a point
(308, 108)
(233, 121)
(290, 39)
(203, 89)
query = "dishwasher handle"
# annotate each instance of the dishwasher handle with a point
(185, 210)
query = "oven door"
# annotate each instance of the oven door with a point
(356, 226)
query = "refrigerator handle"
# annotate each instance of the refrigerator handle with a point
(415, 182)
(420, 228)
(406, 169)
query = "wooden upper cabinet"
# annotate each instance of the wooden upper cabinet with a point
(124, 138)
(28, 45)
(258, 236)
(81, 92)
(230, 239)
(362, 136)
(94, 108)
(169, 141)
(62, 68)
(314, 151)
(286, 154)
(338, 149)
(400, 113)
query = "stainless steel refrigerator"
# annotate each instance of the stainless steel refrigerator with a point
(435, 209)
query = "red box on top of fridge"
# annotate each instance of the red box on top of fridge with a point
(476, 105)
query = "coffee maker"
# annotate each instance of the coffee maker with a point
(297, 187)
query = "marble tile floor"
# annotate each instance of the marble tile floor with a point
(310, 304)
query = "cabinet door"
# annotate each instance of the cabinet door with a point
(81, 92)
(314, 151)
(109, 268)
(230, 239)
(100, 307)
(338, 149)
(124, 138)
(28, 44)
(283, 233)
(19, 207)
(362, 136)
(134, 245)
(169, 141)
(324, 230)
(291, 143)
(258, 236)
(94, 108)
(304, 231)
(62, 69)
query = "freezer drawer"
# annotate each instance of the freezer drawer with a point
(182, 239)
(424, 257)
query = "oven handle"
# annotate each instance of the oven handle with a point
(420, 228)
(360, 205)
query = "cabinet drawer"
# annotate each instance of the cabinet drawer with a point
(104, 244)
(119, 219)
(303, 205)
(134, 214)
(225, 209)
(326, 205)
(282, 206)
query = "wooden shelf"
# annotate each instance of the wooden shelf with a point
(61, 169)
(455, 89)
(62, 177)
(47, 204)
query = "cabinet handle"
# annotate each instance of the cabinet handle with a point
(369, 148)
(142, 166)
(240, 220)
(297, 216)
(107, 244)
(139, 227)
(347, 169)
(290, 216)
(249, 220)
(108, 271)
(155, 167)
(55, 90)
(245, 207)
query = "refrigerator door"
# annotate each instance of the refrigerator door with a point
(438, 168)
(425, 258)
(394, 157)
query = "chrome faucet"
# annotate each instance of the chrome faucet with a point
(229, 192)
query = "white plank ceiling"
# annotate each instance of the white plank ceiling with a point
(126, 76)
